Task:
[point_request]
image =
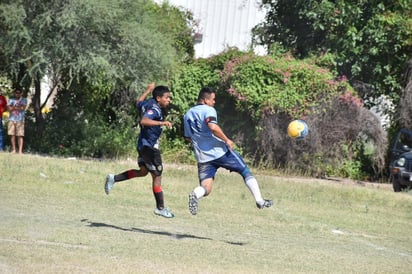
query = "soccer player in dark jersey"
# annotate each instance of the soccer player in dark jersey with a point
(213, 150)
(149, 159)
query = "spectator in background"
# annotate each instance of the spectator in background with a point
(17, 108)
(3, 107)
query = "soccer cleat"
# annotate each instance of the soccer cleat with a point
(164, 212)
(264, 203)
(193, 202)
(109, 183)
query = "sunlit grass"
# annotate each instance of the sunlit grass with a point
(56, 218)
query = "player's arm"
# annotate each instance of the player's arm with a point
(187, 131)
(218, 132)
(148, 90)
(147, 122)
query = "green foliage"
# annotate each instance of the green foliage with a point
(97, 53)
(370, 41)
(72, 131)
(190, 78)
(5, 85)
(176, 151)
(327, 60)
(258, 95)
(279, 85)
(175, 23)
(350, 169)
(185, 85)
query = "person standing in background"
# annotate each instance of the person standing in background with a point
(17, 108)
(3, 107)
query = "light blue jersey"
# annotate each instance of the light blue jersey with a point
(206, 146)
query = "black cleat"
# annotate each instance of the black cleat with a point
(265, 203)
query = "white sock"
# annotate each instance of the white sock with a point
(199, 192)
(253, 186)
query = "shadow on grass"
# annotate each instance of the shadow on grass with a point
(148, 231)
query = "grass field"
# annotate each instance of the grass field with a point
(56, 218)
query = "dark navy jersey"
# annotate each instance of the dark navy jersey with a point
(149, 136)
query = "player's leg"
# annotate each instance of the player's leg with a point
(131, 173)
(206, 173)
(253, 186)
(160, 209)
(234, 162)
(111, 179)
(153, 163)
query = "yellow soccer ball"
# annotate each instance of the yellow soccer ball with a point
(298, 129)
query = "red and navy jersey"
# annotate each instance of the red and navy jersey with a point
(149, 135)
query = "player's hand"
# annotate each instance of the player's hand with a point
(151, 86)
(230, 144)
(167, 124)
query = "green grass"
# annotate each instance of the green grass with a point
(56, 218)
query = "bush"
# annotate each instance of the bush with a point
(257, 96)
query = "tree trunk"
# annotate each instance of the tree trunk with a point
(36, 101)
(405, 108)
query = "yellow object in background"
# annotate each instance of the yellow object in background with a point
(298, 129)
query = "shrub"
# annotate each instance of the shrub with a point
(272, 92)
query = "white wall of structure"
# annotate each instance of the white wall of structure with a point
(223, 23)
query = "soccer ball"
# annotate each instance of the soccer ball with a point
(298, 129)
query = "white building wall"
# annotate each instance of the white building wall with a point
(223, 23)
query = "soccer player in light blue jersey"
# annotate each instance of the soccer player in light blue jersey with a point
(213, 149)
(149, 160)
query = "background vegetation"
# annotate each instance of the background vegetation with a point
(56, 218)
(369, 42)
(259, 96)
(97, 56)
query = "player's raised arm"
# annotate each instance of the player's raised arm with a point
(148, 90)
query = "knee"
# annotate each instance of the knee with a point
(246, 173)
(207, 188)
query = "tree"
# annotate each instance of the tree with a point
(405, 107)
(371, 40)
(119, 44)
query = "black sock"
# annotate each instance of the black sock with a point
(159, 200)
(128, 174)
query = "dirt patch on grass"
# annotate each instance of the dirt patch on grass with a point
(300, 179)
(334, 180)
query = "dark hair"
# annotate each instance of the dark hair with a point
(159, 91)
(204, 93)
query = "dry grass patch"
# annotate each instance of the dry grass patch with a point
(56, 218)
